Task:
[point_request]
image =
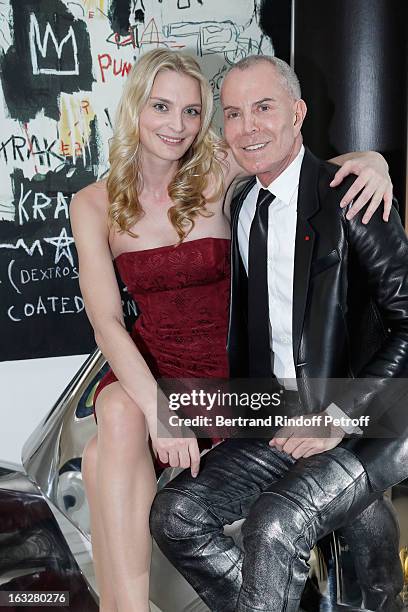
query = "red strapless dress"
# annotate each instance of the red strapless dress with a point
(182, 294)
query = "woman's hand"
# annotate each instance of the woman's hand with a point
(177, 451)
(373, 181)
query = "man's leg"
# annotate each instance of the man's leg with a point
(373, 539)
(188, 516)
(315, 497)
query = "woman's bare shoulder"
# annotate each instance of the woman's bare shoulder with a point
(91, 200)
(96, 191)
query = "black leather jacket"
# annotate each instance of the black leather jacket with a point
(350, 310)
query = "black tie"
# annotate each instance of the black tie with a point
(258, 302)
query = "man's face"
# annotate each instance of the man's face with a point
(262, 121)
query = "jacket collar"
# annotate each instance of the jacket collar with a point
(238, 201)
(308, 205)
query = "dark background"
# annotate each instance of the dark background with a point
(351, 59)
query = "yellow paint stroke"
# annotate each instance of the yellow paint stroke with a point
(74, 129)
(96, 8)
(404, 562)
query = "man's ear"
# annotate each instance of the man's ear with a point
(299, 114)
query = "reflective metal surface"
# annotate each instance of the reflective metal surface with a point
(57, 443)
(35, 555)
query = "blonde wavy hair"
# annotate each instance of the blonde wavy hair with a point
(200, 168)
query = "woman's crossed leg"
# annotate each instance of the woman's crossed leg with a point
(120, 484)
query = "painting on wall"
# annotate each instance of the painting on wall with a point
(63, 65)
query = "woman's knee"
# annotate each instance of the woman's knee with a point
(118, 414)
(90, 459)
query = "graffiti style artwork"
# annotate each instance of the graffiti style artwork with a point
(62, 67)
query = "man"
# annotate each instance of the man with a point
(304, 283)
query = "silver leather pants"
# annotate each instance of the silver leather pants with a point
(288, 505)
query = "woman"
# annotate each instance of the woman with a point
(166, 184)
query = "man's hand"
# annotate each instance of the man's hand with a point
(373, 181)
(307, 441)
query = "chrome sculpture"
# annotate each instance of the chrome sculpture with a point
(52, 459)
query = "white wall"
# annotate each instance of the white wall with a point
(29, 389)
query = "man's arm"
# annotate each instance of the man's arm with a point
(382, 256)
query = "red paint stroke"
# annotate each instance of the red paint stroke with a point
(65, 148)
(103, 66)
(120, 68)
(122, 41)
